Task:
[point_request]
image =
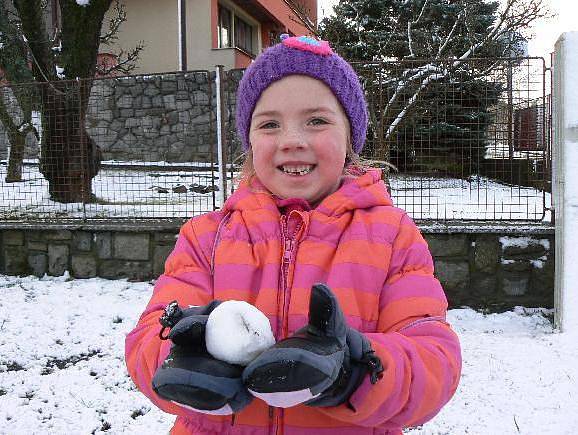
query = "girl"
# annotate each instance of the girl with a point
(367, 352)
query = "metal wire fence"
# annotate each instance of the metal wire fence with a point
(469, 140)
(125, 147)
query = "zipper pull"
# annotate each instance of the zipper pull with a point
(288, 249)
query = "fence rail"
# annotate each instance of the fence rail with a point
(469, 141)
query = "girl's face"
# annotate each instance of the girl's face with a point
(298, 137)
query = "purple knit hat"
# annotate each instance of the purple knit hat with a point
(310, 57)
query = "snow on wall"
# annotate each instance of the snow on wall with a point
(523, 242)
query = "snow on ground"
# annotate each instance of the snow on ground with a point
(164, 190)
(62, 365)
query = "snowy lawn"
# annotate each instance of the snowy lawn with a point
(62, 365)
(126, 189)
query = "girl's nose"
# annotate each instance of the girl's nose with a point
(292, 138)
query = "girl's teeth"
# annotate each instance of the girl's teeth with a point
(300, 170)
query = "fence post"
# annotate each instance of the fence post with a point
(221, 149)
(565, 180)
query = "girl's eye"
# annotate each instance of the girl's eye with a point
(318, 121)
(269, 125)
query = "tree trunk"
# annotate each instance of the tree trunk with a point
(69, 157)
(17, 141)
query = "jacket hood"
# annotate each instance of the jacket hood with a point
(356, 192)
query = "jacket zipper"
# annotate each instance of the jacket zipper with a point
(288, 247)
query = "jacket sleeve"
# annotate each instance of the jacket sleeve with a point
(186, 279)
(419, 351)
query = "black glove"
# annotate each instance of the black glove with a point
(322, 364)
(190, 376)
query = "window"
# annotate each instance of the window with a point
(224, 27)
(233, 31)
(243, 35)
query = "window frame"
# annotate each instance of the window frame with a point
(236, 20)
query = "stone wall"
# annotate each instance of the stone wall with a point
(166, 117)
(492, 268)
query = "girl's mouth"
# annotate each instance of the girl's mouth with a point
(296, 169)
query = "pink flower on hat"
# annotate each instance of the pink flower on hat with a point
(306, 43)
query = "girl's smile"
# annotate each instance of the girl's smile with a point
(299, 135)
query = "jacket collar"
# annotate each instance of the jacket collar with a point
(356, 192)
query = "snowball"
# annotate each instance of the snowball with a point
(237, 332)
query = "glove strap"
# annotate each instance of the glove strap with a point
(171, 315)
(374, 365)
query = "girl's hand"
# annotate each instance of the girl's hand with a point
(322, 364)
(190, 376)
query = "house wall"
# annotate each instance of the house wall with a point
(156, 24)
(286, 16)
(202, 51)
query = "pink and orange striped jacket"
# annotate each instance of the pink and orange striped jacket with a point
(373, 257)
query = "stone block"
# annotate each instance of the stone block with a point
(125, 102)
(130, 139)
(170, 102)
(521, 265)
(15, 260)
(168, 85)
(201, 98)
(13, 238)
(203, 118)
(453, 274)
(513, 247)
(165, 130)
(184, 117)
(182, 96)
(127, 82)
(157, 101)
(132, 122)
(126, 113)
(59, 235)
(166, 238)
(172, 118)
(132, 270)
(83, 266)
(57, 259)
(38, 263)
(446, 245)
(486, 254)
(177, 128)
(129, 246)
(103, 244)
(183, 105)
(483, 285)
(151, 90)
(515, 284)
(146, 102)
(82, 241)
(161, 254)
(35, 235)
(105, 115)
(34, 245)
(542, 279)
(136, 90)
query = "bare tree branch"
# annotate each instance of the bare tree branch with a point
(126, 61)
(114, 24)
(516, 15)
